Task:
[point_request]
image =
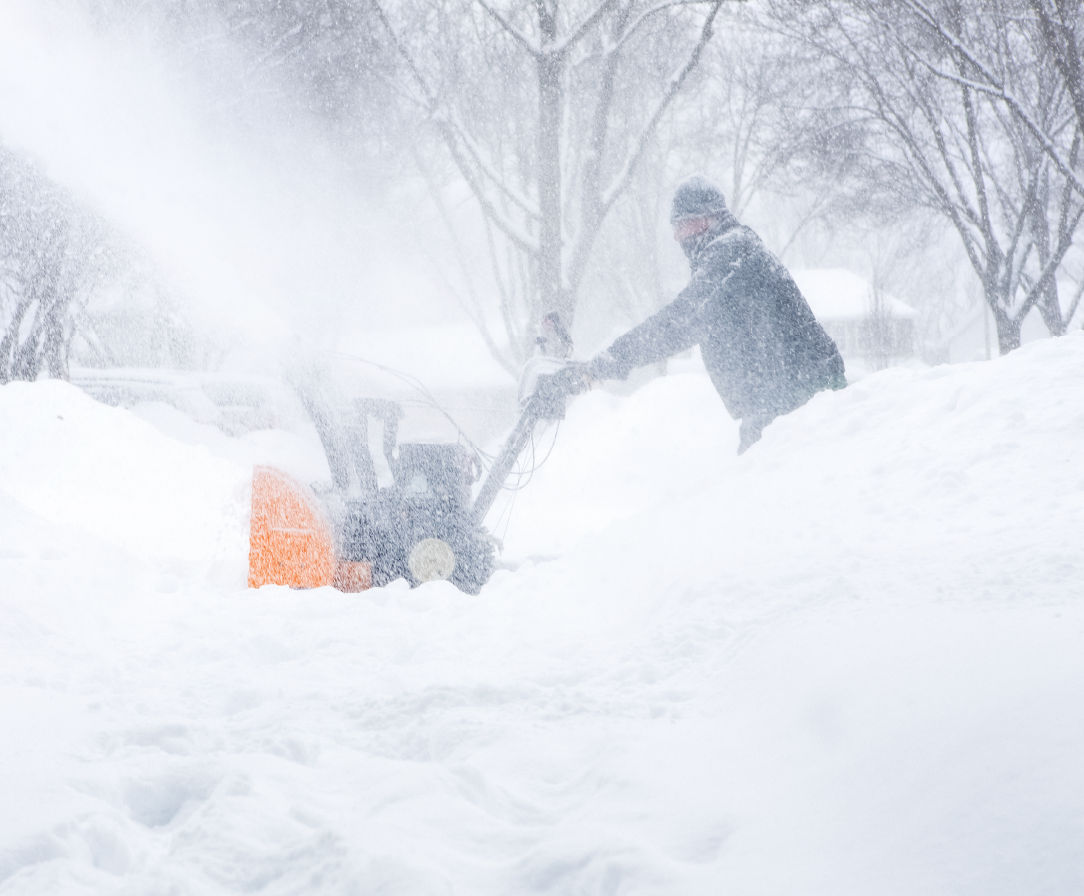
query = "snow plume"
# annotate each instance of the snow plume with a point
(254, 215)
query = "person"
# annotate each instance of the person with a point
(764, 350)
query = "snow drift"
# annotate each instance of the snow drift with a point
(848, 662)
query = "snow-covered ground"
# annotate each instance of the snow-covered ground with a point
(848, 662)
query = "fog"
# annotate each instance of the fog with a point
(305, 178)
(252, 212)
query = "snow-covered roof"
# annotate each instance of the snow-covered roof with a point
(840, 294)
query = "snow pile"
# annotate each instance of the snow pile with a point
(847, 662)
(80, 465)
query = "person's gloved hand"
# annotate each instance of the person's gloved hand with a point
(571, 379)
(605, 366)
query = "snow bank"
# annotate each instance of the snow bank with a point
(846, 662)
(101, 471)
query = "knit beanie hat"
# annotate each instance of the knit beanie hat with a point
(697, 197)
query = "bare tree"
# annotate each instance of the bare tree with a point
(546, 117)
(51, 254)
(1057, 29)
(955, 147)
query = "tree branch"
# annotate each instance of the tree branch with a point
(607, 197)
(991, 85)
(578, 31)
(457, 145)
(676, 81)
(522, 39)
(630, 32)
(1061, 37)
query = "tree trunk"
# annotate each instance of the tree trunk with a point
(1008, 329)
(9, 345)
(1050, 308)
(550, 64)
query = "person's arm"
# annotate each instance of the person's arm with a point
(667, 332)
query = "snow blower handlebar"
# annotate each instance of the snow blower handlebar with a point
(546, 402)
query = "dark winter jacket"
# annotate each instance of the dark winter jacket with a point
(762, 346)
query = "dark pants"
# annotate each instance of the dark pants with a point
(749, 433)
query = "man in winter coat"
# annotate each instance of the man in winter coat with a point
(762, 346)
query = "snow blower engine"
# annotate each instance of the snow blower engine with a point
(423, 527)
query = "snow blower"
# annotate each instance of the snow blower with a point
(423, 527)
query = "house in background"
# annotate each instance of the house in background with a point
(872, 329)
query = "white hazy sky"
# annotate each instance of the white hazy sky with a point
(253, 216)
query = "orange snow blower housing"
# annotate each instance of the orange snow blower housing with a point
(291, 541)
